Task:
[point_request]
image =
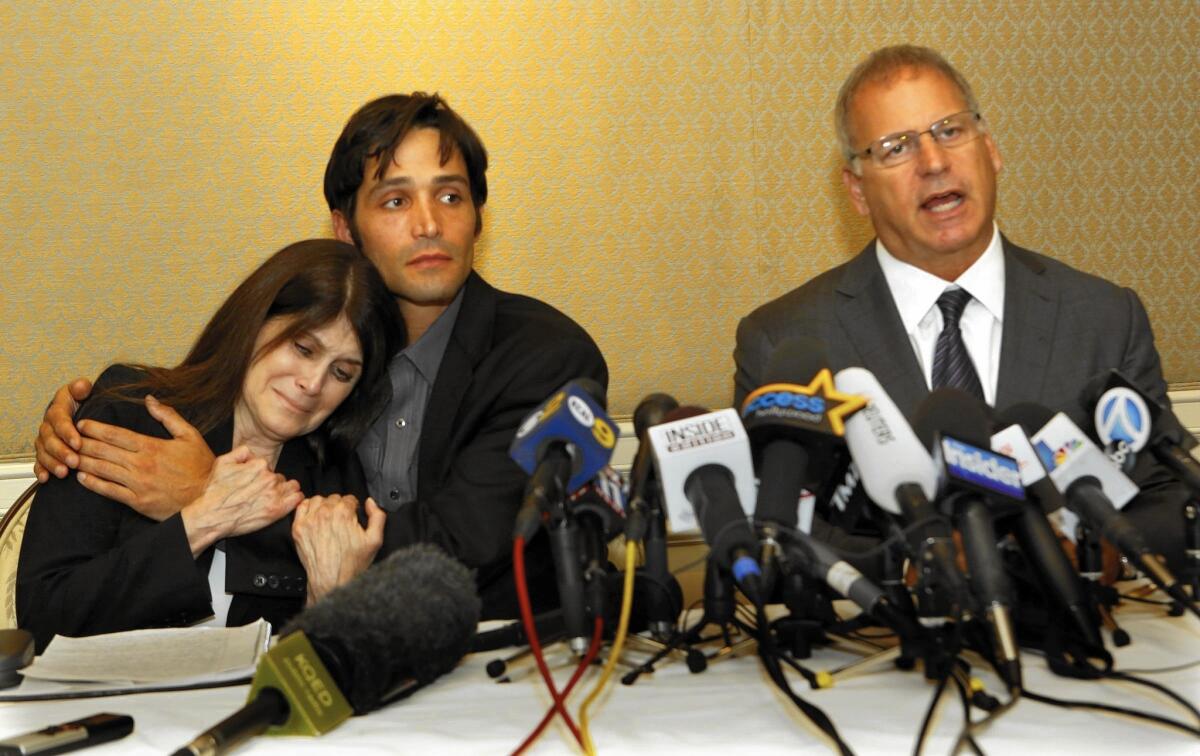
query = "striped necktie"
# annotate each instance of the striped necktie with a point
(952, 366)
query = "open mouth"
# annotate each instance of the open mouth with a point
(943, 203)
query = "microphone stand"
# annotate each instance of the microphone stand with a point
(1090, 556)
(1190, 576)
(720, 605)
(570, 630)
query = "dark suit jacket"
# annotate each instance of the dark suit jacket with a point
(507, 354)
(92, 565)
(1062, 327)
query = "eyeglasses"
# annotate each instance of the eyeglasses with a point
(952, 131)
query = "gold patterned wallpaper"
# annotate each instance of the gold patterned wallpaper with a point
(659, 168)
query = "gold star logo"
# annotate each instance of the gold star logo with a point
(838, 406)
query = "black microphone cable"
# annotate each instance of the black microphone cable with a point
(952, 672)
(1065, 703)
(770, 657)
(1082, 670)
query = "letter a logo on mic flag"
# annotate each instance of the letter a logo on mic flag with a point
(1121, 415)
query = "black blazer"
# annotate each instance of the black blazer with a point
(1062, 327)
(92, 565)
(507, 354)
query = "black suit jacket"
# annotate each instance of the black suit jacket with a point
(92, 565)
(1062, 327)
(506, 355)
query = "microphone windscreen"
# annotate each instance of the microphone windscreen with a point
(594, 390)
(954, 413)
(796, 360)
(651, 411)
(398, 626)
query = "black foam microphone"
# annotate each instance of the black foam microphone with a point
(647, 522)
(956, 428)
(390, 631)
(650, 411)
(794, 421)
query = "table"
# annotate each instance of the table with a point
(731, 706)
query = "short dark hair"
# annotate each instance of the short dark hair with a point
(376, 130)
(310, 282)
(881, 65)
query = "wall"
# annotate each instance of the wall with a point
(659, 168)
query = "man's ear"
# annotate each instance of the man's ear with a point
(854, 188)
(341, 227)
(993, 153)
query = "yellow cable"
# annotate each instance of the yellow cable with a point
(615, 652)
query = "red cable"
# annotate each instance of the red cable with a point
(597, 638)
(535, 645)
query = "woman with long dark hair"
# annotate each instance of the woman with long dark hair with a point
(282, 382)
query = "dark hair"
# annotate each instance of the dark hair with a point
(376, 130)
(312, 283)
(882, 65)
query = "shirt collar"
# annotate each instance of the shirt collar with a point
(916, 291)
(427, 352)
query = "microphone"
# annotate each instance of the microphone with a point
(563, 444)
(647, 523)
(392, 630)
(1095, 490)
(1129, 420)
(956, 426)
(599, 508)
(706, 474)
(899, 476)
(820, 561)
(650, 411)
(1033, 531)
(795, 429)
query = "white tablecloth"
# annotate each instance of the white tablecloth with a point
(730, 706)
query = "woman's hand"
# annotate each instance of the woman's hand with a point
(243, 495)
(332, 546)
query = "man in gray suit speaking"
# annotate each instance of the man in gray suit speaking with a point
(940, 297)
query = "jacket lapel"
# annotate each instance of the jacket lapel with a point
(468, 343)
(1030, 316)
(868, 315)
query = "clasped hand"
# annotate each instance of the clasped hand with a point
(243, 495)
(332, 545)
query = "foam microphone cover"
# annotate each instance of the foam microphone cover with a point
(398, 626)
(652, 410)
(954, 413)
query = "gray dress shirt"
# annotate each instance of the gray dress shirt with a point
(388, 452)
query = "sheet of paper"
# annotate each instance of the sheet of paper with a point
(175, 655)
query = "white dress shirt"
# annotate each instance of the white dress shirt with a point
(916, 292)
